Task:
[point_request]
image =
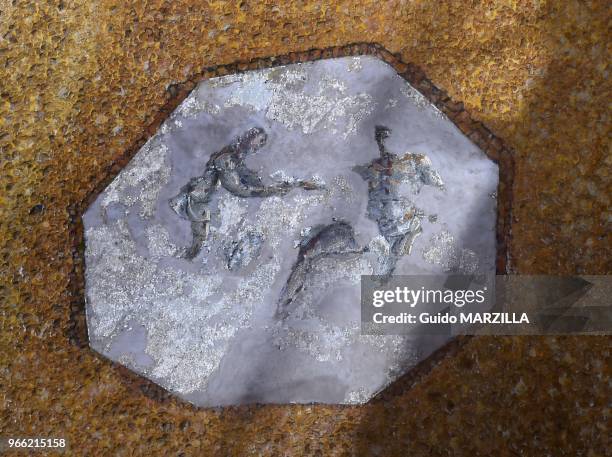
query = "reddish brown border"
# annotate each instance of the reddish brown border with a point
(176, 93)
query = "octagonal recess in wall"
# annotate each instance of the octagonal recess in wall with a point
(223, 262)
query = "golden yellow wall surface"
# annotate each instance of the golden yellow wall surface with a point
(79, 83)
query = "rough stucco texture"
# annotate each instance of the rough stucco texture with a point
(80, 81)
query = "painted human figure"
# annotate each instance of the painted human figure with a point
(226, 167)
(333, 241)
(398, 219)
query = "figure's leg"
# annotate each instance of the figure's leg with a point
(199, 233)
(400, 246)
(403, 245)
(388, 264)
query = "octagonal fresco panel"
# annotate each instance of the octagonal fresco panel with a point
(224, 261)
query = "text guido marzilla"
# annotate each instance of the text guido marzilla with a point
(444, 318)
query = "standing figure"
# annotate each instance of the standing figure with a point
(398, 219)
(227, 168)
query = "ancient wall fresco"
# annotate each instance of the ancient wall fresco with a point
(82, 81)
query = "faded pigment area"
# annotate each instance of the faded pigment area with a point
(224, 261)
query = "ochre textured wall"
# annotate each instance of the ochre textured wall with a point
(79, 83)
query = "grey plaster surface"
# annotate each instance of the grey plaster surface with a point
(267, 306)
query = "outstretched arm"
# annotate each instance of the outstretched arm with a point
(244, 182)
